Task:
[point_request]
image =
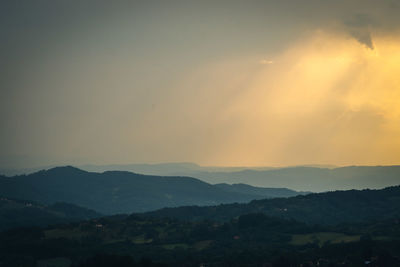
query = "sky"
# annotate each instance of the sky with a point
(222, 83)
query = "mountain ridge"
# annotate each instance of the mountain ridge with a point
(113, 192)
(314, 178)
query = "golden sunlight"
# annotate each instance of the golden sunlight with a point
(328, 98)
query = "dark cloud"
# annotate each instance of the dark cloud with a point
(363, 36)
(359, 26)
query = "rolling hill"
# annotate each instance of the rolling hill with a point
(250, 240)
(20, 213)
(262, 192)
(114, 192)
(352, 206)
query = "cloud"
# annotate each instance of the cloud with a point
(359, 26)
(363, 36)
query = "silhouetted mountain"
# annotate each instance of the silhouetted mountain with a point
(171, 169)
(323, 208)
(20, 213)
(300, 178)
(310, 178)
(314, 178)
(117, 191)
(159, 169)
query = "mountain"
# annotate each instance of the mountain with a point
(160, 169)
(171, 169)
(19, 213)
(314, 178)
(309, 178)
(329, 208)
(118, 191)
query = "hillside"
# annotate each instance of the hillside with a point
(262, 192)
(18, 213)
(114, 192)
(342, 228)
(250, 240)
(320, 208)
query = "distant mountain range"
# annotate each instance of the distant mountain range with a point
(22, 213)
(314, 178)
(162, 169)
(311, 178)
(114, 192)
(352, 206)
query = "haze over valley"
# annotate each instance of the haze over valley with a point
(202, 133)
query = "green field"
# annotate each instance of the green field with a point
(72, 233)
(176, 245)
(322, 238)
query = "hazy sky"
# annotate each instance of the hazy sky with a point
(213, 82)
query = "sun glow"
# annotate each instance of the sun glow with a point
(328, 98)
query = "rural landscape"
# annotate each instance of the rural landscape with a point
(130, 219)
(199, 133)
